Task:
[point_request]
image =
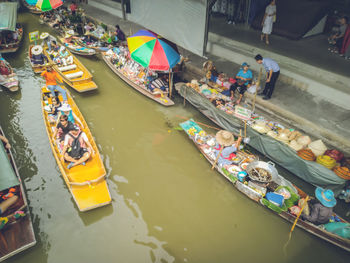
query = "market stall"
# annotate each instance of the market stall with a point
(276, 150)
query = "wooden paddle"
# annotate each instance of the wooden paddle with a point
(217, 157)
(295, 222)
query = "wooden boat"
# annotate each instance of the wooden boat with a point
(166, 101)
(303, 224)
(18, 233)
(9, 82)
(32, 9)
(75, 75)
(78, 49)
(37, 68)
(87, 183)
(13, 46)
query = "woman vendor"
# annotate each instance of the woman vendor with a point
(225, 139)
(321, 209)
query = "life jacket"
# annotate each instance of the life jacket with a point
(229, 158)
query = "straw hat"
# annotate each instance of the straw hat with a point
(44, 35)
(65, 107)
(326, 197)
(225, 138)
(37, 50)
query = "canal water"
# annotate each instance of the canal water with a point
(168, 205)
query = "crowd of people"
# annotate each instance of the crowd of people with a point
(339, 39)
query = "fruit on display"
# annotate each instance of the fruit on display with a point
(307, 155)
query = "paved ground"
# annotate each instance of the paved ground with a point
(295, 106)
(311, 50)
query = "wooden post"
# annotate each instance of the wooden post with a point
(122, 2)
(217, 157)
(256, 91)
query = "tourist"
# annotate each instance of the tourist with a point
(321, 209)
(77, 148)
(62, 128)
(66, 58)
(47, 39)
(51, 78)
(225, 139)
(243, 81)
(268, 20)
(73, 7)
(119, 33)
(56, 104)
(272, 73)
(338, 38)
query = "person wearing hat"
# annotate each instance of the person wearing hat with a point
(51, 78)
(272, 73)
(77, 148)
(5, 69)
(243, 81)
(47, 38)
(321, 209)
(226, 140)
(38, 58)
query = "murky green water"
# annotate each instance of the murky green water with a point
(168, 206)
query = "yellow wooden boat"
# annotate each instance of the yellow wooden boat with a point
(87, 183)
(75, 75)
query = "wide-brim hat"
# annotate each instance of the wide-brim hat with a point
(44, 35)
(225, 138)
(37, 50)
(326, 197)
(65, 107)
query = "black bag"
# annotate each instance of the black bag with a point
(76, 151)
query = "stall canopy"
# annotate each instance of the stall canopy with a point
(8, 16)
(7, 175)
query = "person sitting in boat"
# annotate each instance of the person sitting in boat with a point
(211, 72)
(5, 142)
(4, 205)
(318, 211)
(62, 128)
(227, 145)
(77, 148)
(56, 104)
(5, 69)
(66, 58)
(159, 85)
(38, 58)
(69, 36)
(51, 78)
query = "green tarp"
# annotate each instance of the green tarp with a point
(277, 151)
(8, 177)
(8, 16)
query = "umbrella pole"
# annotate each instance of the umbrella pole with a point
(170, 85)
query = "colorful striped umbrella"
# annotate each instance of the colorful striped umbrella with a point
(45, 5)
(152, 51)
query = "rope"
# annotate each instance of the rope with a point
(88, 182)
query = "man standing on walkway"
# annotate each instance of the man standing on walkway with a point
(272, 73)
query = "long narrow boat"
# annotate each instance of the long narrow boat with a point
(166, 101)
(13, 46)
(78, 49)
(87, 183)
(18, 233)
(10, 82)
(36, 67)
(256, 196)
(75, 75)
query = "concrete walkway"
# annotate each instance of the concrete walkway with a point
(290, 103)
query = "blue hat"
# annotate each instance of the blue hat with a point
(326, 197)
(245, 64)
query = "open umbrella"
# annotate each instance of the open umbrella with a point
(152, 51)
(45, 5)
